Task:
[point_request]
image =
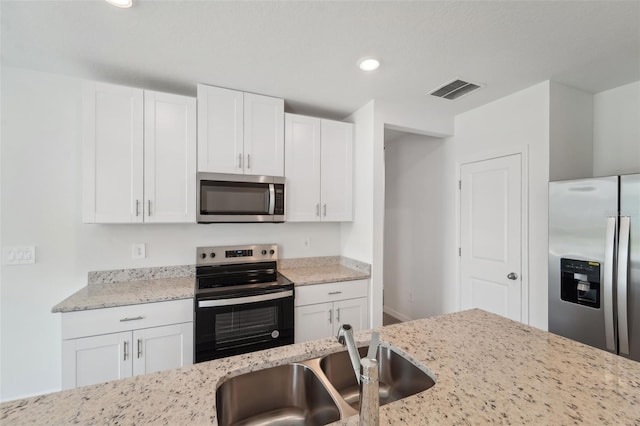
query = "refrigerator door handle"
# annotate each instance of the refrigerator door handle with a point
(623, 278)
(609, 256)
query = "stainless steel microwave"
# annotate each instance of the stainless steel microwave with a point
(227, 198)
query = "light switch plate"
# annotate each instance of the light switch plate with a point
(20, 255)
(138, 251)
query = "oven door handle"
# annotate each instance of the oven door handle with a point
(243, 300)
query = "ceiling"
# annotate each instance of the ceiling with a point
(306, 51)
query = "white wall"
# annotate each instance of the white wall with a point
(41, 206)
(515, 123)
(413, 234)
(570, 133)
(616, 131)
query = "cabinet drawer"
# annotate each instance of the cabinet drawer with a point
(329, 292)
(122, 318)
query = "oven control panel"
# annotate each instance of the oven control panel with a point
(236, 254)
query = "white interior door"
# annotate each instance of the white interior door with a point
(490, 236)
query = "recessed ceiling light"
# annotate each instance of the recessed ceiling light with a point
(121, 3)
(368, 64)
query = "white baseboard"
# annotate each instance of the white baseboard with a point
(395, 314)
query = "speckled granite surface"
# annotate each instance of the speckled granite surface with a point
(98, 296)
(140, 274)
(317, 270)
(120, 287)
(487, 369)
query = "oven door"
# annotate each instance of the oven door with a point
(244, 323)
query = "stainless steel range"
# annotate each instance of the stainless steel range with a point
(242, 304)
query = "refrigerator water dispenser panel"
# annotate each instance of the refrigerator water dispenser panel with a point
(580, 282)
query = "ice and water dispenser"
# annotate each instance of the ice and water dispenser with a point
(580, 282)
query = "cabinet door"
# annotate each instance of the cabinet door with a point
(112, 153)
(336, 184)
(220, 130)
(169, 158)
(263, 135)
(162, 348)
(302, 168)
(90, 360)
(313, 322)
(351, 311)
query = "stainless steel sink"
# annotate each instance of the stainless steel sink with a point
(313, 392)
(285, 395)
(398, 376)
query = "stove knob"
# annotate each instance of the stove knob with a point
(264, 252)
(272, 251)
(203, 255)
(212, 254)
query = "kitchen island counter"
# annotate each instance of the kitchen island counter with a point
(488, 370)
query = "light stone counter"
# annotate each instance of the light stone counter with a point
(318, 270)
(488, 370)
(96, 296)
(120, 287)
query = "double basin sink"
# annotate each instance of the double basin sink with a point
(313, 392)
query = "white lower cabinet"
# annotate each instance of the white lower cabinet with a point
(103, 357)
(321, 309)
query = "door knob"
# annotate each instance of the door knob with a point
(512, 276)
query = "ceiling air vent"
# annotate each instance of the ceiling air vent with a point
(455, 89)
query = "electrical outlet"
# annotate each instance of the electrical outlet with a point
(20, 255)
(138, 251)
(307, 242)
(411, 297)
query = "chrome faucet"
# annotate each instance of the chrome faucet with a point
(366, 371)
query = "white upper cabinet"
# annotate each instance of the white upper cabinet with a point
(139, 155)
(240, 133)
(220, 130)
(336, 186)
(302, 168)
(263, 135)
(113, 150)
(169, 158)
(319, 169)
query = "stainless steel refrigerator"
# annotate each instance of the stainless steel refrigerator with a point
(594, 262)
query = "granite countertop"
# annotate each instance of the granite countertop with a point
(107, 289)
(96, 296)
(488, 370)
(317, 270)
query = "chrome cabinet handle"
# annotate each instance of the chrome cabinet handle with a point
(248, 161)
(324, 208)
(137, 207)
(512, 276)
(139, 348)
(149, 207)
(318, 209)
(125, 350)
(131, 319)
(338, 314)
(239, 161)
(330, 316)
(335, 292)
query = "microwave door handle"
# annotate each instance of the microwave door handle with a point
(272, 199)
(623, 278)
